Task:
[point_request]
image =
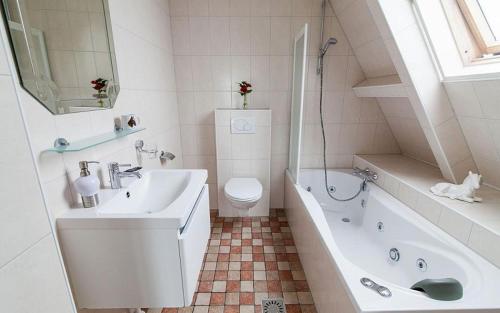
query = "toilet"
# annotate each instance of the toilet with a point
(243, 194)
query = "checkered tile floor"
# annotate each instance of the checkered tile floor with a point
(250, 259)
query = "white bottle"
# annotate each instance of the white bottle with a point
(88, 185)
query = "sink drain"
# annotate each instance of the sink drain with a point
(273, 306)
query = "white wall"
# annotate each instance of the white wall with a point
(406, 128)
(477, 106)
(366, 41)
(31, 273)
(141, 32)
(220, 42)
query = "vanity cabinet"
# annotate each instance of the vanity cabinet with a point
(124, 263)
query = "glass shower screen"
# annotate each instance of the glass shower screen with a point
(298, 86)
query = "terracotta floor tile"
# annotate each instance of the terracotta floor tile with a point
(246, 298)
(217, 298)
(233, 286)
(285, 275)
(232, 309)
(235, 249)
(293, 308)
(301, 285)
(274, 286)
(246, 266)
(205, 286)
(220, 275)
(250, 259)
(246, 275)
(257, 249)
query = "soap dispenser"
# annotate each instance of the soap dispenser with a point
(87, 185)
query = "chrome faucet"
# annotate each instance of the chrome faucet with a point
(115, 176)
(365, 174)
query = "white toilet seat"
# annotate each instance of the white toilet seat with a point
(243, 189)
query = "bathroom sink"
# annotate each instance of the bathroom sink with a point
(143, 246)
(161, 198)
(154, 192)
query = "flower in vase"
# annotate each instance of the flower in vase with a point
(245, 89)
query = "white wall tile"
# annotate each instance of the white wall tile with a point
(37, 278)
(455, 225)
(240, 35)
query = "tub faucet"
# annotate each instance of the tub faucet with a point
(367, 175)
(115, 176)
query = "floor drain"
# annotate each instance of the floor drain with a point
(273, 306)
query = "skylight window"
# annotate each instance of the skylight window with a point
(483, 18)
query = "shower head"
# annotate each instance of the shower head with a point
(328, 43)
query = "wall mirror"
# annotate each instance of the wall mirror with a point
(64, 52)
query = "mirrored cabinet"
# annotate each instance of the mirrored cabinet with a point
(64, 52)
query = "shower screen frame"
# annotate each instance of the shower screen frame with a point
(297, 105)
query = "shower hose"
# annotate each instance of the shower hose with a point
(363, 183)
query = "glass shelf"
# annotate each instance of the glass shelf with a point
(90, 142)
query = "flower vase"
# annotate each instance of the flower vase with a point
(245, 102)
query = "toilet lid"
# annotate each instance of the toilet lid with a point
(245, 189)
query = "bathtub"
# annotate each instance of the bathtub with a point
(340, 243)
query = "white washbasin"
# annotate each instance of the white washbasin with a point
(161, 198)
(143, 246)
(154, 192)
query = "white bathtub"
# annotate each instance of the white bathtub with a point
(336, 254)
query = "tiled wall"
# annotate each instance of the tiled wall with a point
(366, 41)
(477, 106)
(243, 155)
(375, 61)
(220, 42)
(31, 272)
(406, 128)
(147, 89)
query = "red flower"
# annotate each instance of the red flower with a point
(245, 88)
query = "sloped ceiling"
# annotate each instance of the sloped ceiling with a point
(369, 49)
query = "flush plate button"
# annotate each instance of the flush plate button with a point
(243, 125)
